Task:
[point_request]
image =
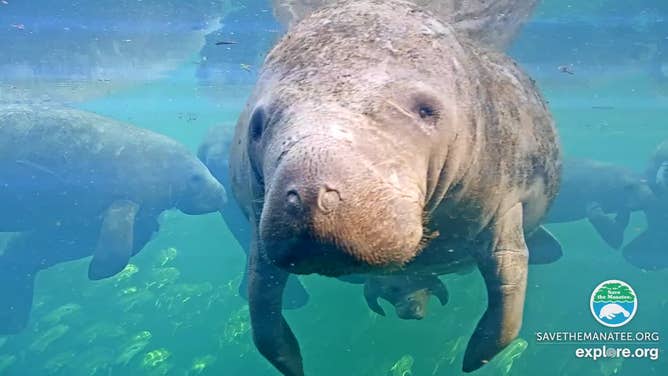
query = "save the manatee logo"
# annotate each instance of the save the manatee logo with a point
(613, 303)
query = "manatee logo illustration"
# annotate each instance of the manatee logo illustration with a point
(613, 303)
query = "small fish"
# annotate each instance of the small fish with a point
(566, 69)
(19, 26)
(602, 108)
(245, 67)
(225, 42)
(5, 2)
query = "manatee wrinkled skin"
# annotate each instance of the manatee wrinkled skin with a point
(378, 140)
(649, 250)
(75, 184)
(494, 23)
(593, 190)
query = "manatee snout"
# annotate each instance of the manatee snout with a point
(414, 306)
(325, 212)
(203, 194)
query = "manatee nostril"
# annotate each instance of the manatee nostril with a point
(328, 199)
(293, 200)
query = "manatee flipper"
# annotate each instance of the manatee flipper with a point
(610, 230)
(648, 250)
(504, 269)
(295, 295)
(271, 333)
(544, 248)
(438, 289)
(116, 240)
(16, 297)
(371, 297)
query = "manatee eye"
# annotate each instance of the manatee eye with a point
(426, 111)
(427, 108)
(256, 124)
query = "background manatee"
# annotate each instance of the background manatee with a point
(77, 184)
(649, 250)
(593, 190)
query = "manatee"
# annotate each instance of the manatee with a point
(76, 184)
(648, 250)
(214, 153)
(380, 140)
(494, 23)
(408, 294)
(594, 190)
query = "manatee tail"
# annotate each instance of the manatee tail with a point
(16, 296)
(295, 295)
(648, 251)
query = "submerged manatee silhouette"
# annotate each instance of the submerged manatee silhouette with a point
(77, 184)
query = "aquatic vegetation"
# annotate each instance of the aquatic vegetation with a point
(105, 330)
(154, 358)
(134, 346)
(610, 366)
(403, 367)
(58, 314)
(6, 361)
(453, 349)
(59, 362)
(163, 369)
(161, 277)
(129, 291)
(505, 359)
(127, 273)
(201, 363)
(166, 256)
(136, 298)
(177, 294)
(237, 326)
(96, 361)
(47, 338)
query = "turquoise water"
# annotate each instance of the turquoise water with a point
(179, 313)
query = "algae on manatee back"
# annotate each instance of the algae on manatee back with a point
(403, 367)
(48, 337)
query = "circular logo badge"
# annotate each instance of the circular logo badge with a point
(613, 303)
